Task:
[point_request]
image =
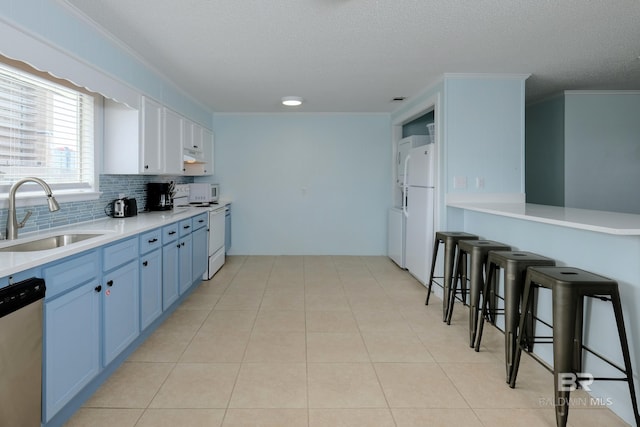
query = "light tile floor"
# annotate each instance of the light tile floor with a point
(321, 341)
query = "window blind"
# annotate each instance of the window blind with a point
(46, 130)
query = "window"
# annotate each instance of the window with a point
(46, 130)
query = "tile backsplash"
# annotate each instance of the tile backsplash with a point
(111, 186)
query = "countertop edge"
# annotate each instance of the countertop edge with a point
(614, 223)
(112, 229)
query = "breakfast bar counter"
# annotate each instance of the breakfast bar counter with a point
(605, 243)
(584, 219)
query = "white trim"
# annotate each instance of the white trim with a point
(502, 76)
(19, 44)
(301, 113)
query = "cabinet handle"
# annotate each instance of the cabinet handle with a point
(146, 166)
(182, 243)
(171, 233)
(186, 227)
(201, 221)
(178, 245)
(110, 283)
(153, 240)
(145, 263)
(98, 288)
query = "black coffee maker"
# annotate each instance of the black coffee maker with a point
(160, 196)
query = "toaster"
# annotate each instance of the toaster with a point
(122, 208)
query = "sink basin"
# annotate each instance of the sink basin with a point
(46, 243)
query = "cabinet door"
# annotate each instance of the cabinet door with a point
(186, 267)
(151, 138)
(121, 310)
(200, 252)
(173, 141)
(170, 273)
(207, 149)
(71, 345)
(150, 287)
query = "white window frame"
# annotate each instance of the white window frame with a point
(33, 198)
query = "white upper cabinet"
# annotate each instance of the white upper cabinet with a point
(172, 138)
(152, 159)
(146, 141)
(192, 141)
(203, 164)
(154, 140)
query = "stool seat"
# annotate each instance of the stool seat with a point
(478, 251)
(514, 264)
(450, 240)
(569, 286)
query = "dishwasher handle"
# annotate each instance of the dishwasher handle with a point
(21, 294)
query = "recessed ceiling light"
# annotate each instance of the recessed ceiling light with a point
(291, 101)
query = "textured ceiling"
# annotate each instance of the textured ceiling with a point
(356, 55)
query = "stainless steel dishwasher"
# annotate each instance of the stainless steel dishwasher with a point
(21, 353)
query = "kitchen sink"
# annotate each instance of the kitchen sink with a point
(50, 242)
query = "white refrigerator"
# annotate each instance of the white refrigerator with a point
(418, 208)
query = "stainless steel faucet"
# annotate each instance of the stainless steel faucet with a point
(12, 222)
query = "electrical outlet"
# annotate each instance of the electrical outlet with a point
(479, 182)
(459, 182)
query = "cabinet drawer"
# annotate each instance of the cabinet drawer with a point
(150, 241)
(200, 220)
(120, 253)
(70, 273)
(170, 233)
(186, 227)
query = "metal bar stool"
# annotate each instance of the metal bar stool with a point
(450, 240)
(478, 251)
(514, 264)
(569, 286)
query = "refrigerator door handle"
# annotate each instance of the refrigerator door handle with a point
(405, 187)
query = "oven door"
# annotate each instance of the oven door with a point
(216, 240)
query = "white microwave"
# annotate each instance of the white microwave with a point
(201, 192)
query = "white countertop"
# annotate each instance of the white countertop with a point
(111, 229)
(585, 219)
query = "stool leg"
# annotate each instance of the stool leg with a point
(520, 339)
(511, 316)
(436, 244)
(450, 295)
(565, 302)
(449, 270)
(577, 336)
(617, 309)
(491, 268)
(530, 324)
(475, 289)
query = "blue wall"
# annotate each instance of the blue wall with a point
(485, 133)
(305, 184)
(544, 142)
(583, 151)
(602, 151)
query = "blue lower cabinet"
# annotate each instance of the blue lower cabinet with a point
(98, 302)
(150, 287)
(71, 345)
(121, 309)
(185, 254)
(170, 274)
